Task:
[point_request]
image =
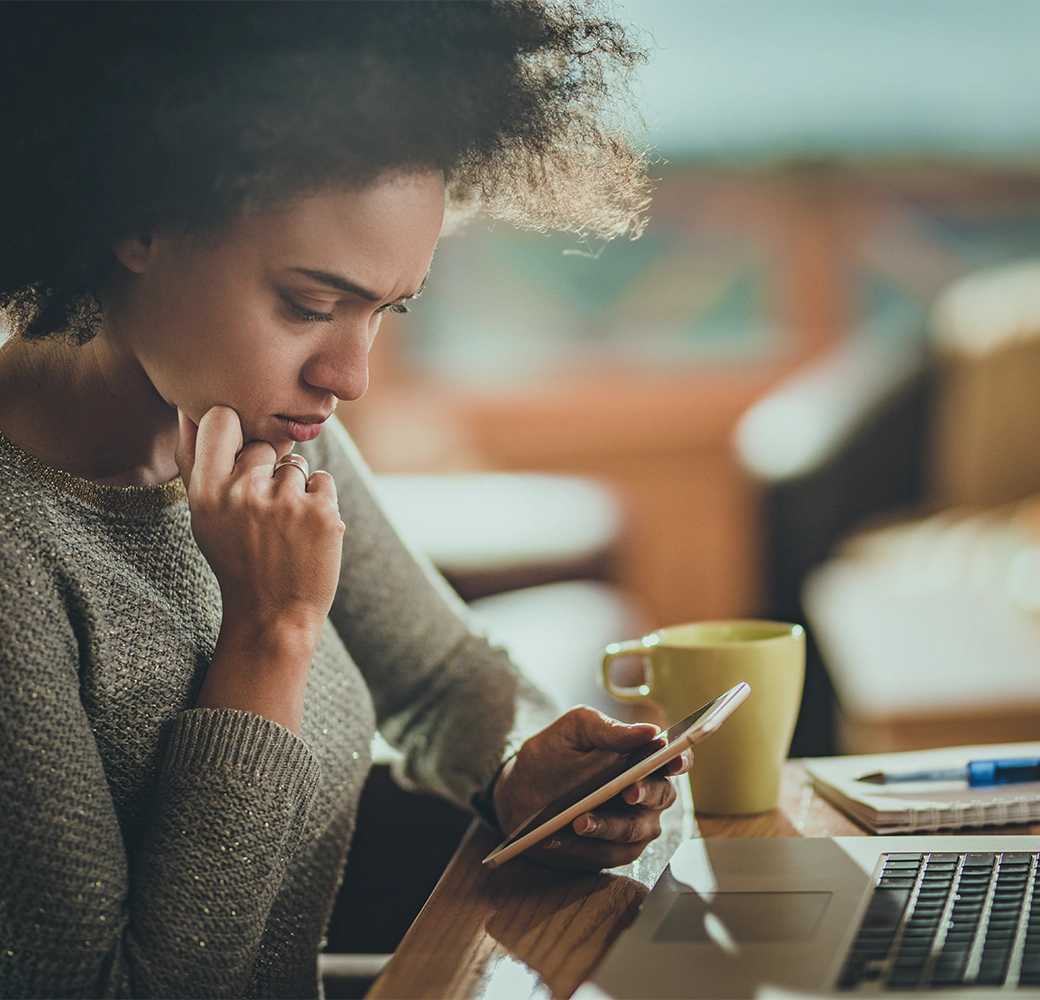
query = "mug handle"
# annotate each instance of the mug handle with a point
(633, 647)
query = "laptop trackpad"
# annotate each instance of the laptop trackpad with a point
(746, 916)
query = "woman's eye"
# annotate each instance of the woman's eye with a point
(307, 315)
(397, 307)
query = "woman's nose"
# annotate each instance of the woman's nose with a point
(341, 365)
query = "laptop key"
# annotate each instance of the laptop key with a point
(920, 932)
(896, 883)
(900, 980)
(885, 909)
(949, 969)
(913, 949)
(1001, 922)
(975, 859)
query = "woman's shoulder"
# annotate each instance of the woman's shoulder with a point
(30, 541)
(24, 511)
(56, 526)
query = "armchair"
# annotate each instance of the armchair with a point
(837, 443)
(925, 632)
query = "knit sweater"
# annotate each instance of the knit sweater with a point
(151, 849)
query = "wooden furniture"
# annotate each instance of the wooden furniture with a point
(922, 732)
(659, 435)
(526, 930)
(690, 545)
(830, 235)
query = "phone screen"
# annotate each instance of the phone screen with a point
(672, 733)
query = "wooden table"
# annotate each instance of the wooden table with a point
(529, 931)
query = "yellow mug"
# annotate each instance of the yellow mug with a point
(736, 770)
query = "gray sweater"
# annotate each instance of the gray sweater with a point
(150, 849)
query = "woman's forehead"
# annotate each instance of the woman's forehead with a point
(380, 237)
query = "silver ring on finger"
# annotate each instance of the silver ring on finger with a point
(296, 461)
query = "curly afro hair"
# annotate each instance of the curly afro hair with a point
(122, 118)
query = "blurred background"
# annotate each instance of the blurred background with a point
(810, 391)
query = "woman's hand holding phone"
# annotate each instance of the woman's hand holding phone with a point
(274, 542)
(581, 743)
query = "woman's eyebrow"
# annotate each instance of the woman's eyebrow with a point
(338, 282)
(342, 284)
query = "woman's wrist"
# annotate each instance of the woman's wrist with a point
(284, 640)
(261, 668)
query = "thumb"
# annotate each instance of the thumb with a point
(186, 446)
(600, 732)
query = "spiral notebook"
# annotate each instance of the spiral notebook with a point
(919, 806)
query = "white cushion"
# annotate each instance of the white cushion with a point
(936, 617)
(988, 309)
(469, 522)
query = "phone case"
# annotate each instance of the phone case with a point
(714, 713)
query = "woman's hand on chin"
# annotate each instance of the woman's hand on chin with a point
(274, 542)
(572, 749)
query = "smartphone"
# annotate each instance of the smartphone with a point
(616, 778)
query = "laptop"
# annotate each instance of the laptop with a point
(845, 916)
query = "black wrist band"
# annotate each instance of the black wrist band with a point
(483, 802)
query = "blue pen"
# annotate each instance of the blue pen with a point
(978, 773)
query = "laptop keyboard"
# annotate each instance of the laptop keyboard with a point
(945, 920)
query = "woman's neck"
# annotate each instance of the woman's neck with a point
(87, 410)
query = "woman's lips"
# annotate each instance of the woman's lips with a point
(302, 428)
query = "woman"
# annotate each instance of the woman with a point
(206, 211)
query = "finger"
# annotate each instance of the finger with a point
(291, 473)
(595, 731)
(655, 792)
(565, 849)
(322, 484)
(256, 455)
(290, 479)
(217, 444)
(632, 826)
(185, 454)
(680, 764)
(656, 788)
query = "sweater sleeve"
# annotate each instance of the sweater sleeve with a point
(183, 914)
(455, 705)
